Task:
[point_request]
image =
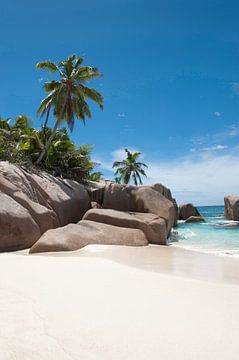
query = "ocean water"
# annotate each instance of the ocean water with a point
(216, 235)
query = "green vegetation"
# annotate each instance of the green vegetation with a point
(67, 95)
(129, 168)
(52, 149)
(21, 143)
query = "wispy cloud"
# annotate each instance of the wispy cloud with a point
(116, 155)
(120, 154)
(203, 178)
(217, 136)
(217, 113)
(215, 148)
(121, 115)
(233, 131)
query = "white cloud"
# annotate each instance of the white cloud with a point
(215, 148)
(120, 154)
(116, 155)
(217, 113)
(202, 178)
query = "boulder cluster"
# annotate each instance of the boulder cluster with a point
(120, 215)
(45, 213)
(189, 213)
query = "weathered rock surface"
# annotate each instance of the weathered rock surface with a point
(117, 197)
(163, 190)
(187, 210)
(152, 225)
(18, 230)
(33, 203)
(75, 236)
(194, 219)
(145, 199)
(44, 217)
(96, 190)
(175, 212)
(142, 199)
(231, 207)
(167, 193)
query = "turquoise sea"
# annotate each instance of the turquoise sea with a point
(217, 234)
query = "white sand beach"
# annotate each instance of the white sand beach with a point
(112, 302)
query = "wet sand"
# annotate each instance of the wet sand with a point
(111, 302)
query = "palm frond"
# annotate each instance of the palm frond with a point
(92, 94)
(47, 65)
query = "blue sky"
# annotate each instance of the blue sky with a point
(171, 82)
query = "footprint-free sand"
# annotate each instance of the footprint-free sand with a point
(119, 303)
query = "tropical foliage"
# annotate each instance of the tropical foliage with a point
(22, 143)
(67, 95)
(130, 168)
(52, 149)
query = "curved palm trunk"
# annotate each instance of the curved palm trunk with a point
(48, 143)
(47, 117)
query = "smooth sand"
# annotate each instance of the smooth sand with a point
(119, 303)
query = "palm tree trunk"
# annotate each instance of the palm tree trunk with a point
(46, 121)
(48, 143)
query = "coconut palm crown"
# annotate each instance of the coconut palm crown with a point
(130, 168)
(67, 94)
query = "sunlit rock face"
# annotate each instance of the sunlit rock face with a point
(120, 215)
(144, 199)
(75, 236)
(153, 226)
(32, 203)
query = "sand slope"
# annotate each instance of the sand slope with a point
(83, 305)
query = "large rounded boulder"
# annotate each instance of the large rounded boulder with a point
(153, 226)
(75, 236)
(147, 200)
(187, 210)
(18, 230)
(144, 199)
(36, 202)
(231, 208)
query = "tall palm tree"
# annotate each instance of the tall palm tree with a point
(130, 167)
(67, 95)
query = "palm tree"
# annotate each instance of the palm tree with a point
(67, 95)
(130, 167)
